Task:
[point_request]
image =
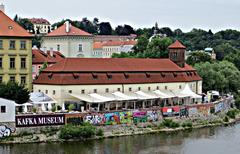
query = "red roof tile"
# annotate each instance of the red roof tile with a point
(98, 45)
(115, 65)
(74, 31)
(39, 57)
(177, 45)
(10, 28)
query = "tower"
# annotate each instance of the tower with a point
(2, 8)
(177, 53)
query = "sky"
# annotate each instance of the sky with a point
(184, 14)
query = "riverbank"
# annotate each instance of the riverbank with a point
(167, 125)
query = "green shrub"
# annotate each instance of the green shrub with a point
(187, 124)
(170, 123)
(77, 132)
(226, 119)
(232, 113)
(71, 107)
(99, 132)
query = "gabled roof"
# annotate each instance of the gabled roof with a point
(177, 45)
(39, 57)
(8, 27)
(74, 31)
(116, 65)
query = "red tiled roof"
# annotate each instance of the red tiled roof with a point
(10, 28)
(39, 21)
(115, 65)
(177, 45)
(113, 43)
(74, 31)
(98, 45)
(116, 78)
(39, 57)
(74, 71)
(132, 42)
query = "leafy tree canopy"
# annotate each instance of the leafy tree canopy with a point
(198, 57)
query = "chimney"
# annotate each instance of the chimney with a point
(2, 8)
(67, 26)
(35, 47)
(51, 52)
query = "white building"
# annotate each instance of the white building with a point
(96, 80)
(108, 48)
(71, 41)
(40, 25)
(7, 110)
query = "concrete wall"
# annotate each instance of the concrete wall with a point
(9, 116)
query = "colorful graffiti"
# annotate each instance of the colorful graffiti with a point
(5, 131)
(153, 116)
(126, 117)
(112, 118)
(219, 107)
(96, 119)
(204, 110)
(139, 116)
(192, 111)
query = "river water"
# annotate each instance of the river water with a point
(219, 140)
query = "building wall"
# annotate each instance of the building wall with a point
(62, 92)
(69, 45)
(17, 53)
(9, 116)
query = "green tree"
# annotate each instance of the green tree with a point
(222, 76)
(197, 57)
(141, 45)
(14, 91)
(44, 66)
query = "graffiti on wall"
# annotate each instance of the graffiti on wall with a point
(219, 107)
(112, 118)
(126, 117)
(139, 116)
(96, 119)
(204, 110)
(192, 111)
(5, 131)
(153, 116)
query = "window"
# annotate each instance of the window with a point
(58, 47)
(1, 62)
(33, 69)
(39, 90)
(1, 44)
(80, 48)
(12, 44)
(149, 88)
(1, 79)
(69, 91)
(157, 88)
(46, 91)
(23, 80)
(118, 89)
(3, 109)
(23, 45)
(166, 87)
(180, 87)
(139, 88)
(12, 78)
(54, 92)
(23, 62)
(94, 90)
(83, 91)
(130, 89)
(107, 90)
(12, 63)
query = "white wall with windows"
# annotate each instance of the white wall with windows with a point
(61, 92)
(70, 46)
(7, 110)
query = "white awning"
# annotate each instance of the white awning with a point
(143, 95)
(101, 97)
(162, 95)
(124, 96)
(86, 98)
(187, 91)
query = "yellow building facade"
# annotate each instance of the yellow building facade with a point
(15, 53)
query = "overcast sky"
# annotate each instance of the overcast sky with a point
(184, 14)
